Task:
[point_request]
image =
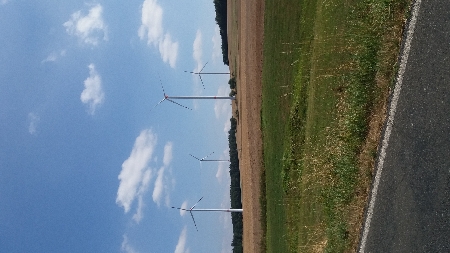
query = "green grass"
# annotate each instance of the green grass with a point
(328, 66)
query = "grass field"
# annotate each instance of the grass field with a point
(328, 67)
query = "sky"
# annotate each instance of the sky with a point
(87, 162)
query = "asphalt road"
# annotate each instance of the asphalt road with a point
(412, 208)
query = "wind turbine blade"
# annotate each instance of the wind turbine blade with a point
(162, 85)
(157, 104)
(195, 157)
(195, 204)
(181, 208)
(203, 67)
(201, 76)
(206, 156)
(201, 81)
(193, 220)
(178, 104)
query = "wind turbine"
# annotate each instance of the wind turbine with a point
(171, 98)
(208, 160)
(190, 210)
(210, 73)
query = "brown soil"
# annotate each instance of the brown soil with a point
(247, 68)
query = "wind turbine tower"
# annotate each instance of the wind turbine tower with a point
(171, 98)
(190, 210)
(208, 73)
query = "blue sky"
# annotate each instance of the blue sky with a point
(86, 165)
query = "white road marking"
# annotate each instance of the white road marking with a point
(390, 122)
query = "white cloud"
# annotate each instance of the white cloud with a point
(217, 45)
(181, 245)
(90, 29)
(183, 206)
(152, 30)
(2, 2)
(92, 94)
(159, 187)
(168, 50)
(33, 120)
(198, 51)
(227, 125)
(197, 55)
(135, 175)
(222, 174)
(222, 106)
(168, 154)
(151, 27)
(53, 56)
(145, 181)
(137, 217)
(50, 58)
(170, 187)
(126, 247)
(162, 182)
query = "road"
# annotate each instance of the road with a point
(409, 210)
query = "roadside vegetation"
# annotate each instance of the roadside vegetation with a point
(328, 68)
(232, 83)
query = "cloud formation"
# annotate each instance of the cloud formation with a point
(159, 187)
(197, 54)
(152, 30)
(33, 120)
(217, 45)
(90, 29)
(162, 184)
(137, 217)
(135, 174)
(198, 51)
(181, 245)
(167, 159)
(222, 106)
(126, 247)
(92, 94)
(183, 206)
(53, 56)
(168, 50)
(221, 174)
(151, 20)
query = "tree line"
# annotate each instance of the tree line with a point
(235, 189)
(221, 20)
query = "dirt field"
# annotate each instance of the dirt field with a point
(245, 35)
